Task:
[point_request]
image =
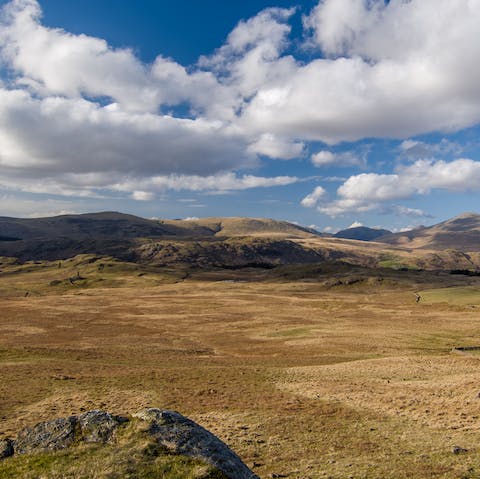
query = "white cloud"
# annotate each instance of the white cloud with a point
(370, 191)
(53, 62)
(314, 197)
(79, 117)
(413, 212)
(54, 135)
(413, 149)
(142, 196)
(397, 69)
(274, 147)
(346, 158)
(355, 224)
(322, 158)
(219, 182)
(15, 206)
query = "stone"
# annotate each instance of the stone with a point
(183, 436)
(6, 448)
(46, 436)
(458, 450)
(99, 426)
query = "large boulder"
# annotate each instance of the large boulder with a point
(181, 435)
(46, 436)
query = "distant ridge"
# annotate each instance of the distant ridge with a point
(238, 242)
(361, 233)
(460, 233)
(116, 225)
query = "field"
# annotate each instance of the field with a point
(303, 376)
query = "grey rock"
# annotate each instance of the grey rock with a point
(46, 436)
(6, 448)
(150, 414)
(458, 450)
(99, 426)
(183, 436)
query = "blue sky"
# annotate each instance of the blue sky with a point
(327, 113)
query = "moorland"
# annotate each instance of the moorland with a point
(310, 355)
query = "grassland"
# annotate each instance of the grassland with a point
(304, 372)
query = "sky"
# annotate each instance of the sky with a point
(326, 113)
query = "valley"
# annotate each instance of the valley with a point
(323, 369)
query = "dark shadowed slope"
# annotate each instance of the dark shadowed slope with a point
(361, 233)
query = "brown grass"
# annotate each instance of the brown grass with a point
(299, 378)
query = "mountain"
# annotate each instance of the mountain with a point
(113, 225)
(227, 242)
(459, 233)
(238, 242)
(361, 233)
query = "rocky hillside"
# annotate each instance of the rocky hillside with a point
(112, 225)
(459, 233)
(150, 444)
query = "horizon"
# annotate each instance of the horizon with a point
(203, 218)
(319, 113)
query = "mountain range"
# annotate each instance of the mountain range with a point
(239, 242)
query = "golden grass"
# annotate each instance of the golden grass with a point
(299, 378)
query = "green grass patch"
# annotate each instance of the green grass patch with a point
(394, 262)
(461, 296)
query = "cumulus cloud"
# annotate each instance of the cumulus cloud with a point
(86, 118)
(369, 191)
(343, 159)
(274, 147)
(57, 134)
(392, 70)
(314, 197)
(54, 62)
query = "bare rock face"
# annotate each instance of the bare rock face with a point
(183, 436)
(93, 426)
(99, 426)
(46, 436)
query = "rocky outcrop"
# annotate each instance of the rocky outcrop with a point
(172, 431)
(93, 426)
(181, 435)
(46, 436)
(99, 426)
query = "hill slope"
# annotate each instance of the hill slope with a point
(115, 225)
(361, 233)
(460, 233)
